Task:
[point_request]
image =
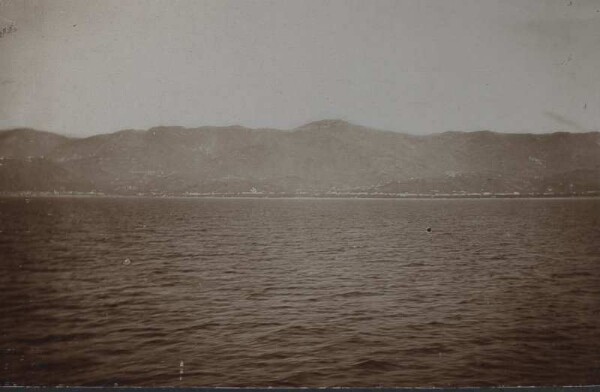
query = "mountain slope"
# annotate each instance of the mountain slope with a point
(26, 142)
(39, 175)
(323, 156)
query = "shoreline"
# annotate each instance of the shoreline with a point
(241, 195)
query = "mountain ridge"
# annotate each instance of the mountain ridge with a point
(320, 124)
(325, 156)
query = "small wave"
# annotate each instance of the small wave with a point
(53, 338)
(354, 294)
(374, 365)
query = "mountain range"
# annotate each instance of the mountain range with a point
(322, 157)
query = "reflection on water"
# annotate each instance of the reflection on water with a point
(98, 291)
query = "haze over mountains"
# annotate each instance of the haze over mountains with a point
(323, 157)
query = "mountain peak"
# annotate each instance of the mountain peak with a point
(327, 123)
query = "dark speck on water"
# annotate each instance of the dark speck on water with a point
(304, 292)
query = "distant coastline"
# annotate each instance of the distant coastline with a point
(328, 158)
(250, 195)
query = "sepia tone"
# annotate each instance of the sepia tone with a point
(299, 193)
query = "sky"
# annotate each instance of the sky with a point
(84, 67)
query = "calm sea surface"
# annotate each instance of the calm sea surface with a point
(299, 292)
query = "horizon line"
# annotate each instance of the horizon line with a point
(305, 126)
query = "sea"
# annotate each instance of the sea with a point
(105, 291)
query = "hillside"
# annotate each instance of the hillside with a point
(319, 157)
(28, 143)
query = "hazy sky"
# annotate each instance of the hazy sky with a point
(83, 67)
